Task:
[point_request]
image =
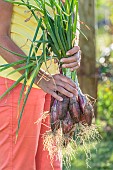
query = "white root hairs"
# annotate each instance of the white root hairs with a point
(86, 138)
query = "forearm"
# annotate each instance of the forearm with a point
(6, 42)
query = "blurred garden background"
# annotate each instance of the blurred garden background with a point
(96, 77)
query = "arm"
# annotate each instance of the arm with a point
(5, 39)
(61, 83)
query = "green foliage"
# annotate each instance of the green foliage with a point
(105, 102)
(105, 64)
(107, 6)
(102, 158)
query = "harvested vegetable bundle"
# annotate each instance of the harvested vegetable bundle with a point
(71, 119)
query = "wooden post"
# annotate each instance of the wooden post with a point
(87, 71)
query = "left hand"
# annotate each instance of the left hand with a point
(72, 62)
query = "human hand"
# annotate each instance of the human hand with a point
(72, 62)
(58, 83)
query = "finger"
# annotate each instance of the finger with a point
(78, 55)
(66, 80)
(80, 52)
(63, 91)
(67, 87)
(72, 59)
(75, 68)
(56, 96)
(71, 65)
(74, 50)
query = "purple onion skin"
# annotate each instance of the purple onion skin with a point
(82, 101)
(68, 127)
(54, 115)
(62, 107)
(88, 115)
(69, 112)
(74, 109)
(52, 101)
(87, 111)
(58, 111)
(67, 123)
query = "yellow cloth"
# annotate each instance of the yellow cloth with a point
(22, 32)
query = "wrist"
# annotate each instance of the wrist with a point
(41, 77)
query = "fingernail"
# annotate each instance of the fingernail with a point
(68, 53)
(76, 94)
(63, 66)
(71, 95)
(61, 99)
(61, 60)
(77, 97)
(71, 69)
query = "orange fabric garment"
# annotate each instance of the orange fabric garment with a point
(27, 153)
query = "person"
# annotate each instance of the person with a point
(27, 153)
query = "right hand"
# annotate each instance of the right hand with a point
(58, 83)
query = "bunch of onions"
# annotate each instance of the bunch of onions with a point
(71, 119)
